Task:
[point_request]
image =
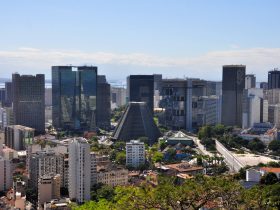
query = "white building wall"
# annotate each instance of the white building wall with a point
(252, 175)
(135, 153)
(254, 111)
(79, 170)
(265, 111)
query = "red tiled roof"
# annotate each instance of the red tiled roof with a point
(269, 169)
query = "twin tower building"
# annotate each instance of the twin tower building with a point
(77, 92)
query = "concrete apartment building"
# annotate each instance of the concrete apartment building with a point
(112, 175)
(6, 178)
(79, 170)
(48, 188)
(18, 137)
(135, 153)
(44, 163)
(255, 107)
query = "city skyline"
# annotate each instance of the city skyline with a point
(190, 38)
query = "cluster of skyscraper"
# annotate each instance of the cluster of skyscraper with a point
(76, 97)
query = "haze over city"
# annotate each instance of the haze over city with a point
(175, 38)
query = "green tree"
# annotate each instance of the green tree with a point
(100, 205)
(121, 158)
(157, 157)
(269, 179)
(106, 192)
(162, 144)
(256, 145)
(274, 145)
(205, 132)
(219, 130)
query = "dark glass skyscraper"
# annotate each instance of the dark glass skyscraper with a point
(8, 94)
(29, 101)
(274, 79)
(233, 86)
(103, 115)
(74, 97)
(140, 88)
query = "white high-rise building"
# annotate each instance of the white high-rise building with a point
(135, 153)
(251, 114)
(250, 81)
(79, 170)
(255, 107)
(118, 97)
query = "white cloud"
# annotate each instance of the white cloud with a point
(208, 66)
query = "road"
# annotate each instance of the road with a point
(200, 146)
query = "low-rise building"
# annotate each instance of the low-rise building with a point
(253, 175)
(58, 204)
(264, 170)
(112, 175)
(182, 168)
(181, 138)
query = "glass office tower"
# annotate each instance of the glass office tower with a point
(74, 97)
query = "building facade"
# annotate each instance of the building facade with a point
(118, 97)
(103, 114)
(250, 81)
(140, 88)
(8, 94)
(29, 101)
(44, 163)
(135, 153)
(79, 170)
(6, 177)
(48, 188)
(74, 97)
(137, 121)
(233, 86)
(274, 79)
(255, 107)
(189, 103)
(18, 137)
(113, 176)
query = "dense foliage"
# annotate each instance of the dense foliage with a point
(211, 192)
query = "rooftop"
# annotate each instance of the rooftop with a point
(183, 167)
(269, 169)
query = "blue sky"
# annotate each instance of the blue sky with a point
(174, 37)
